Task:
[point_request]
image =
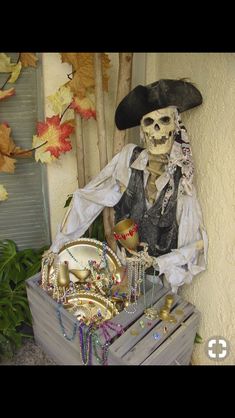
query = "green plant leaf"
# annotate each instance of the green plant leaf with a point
(7, 256)
(15, 267)
(198, 339)
(68, 200)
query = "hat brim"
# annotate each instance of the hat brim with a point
(163, 93)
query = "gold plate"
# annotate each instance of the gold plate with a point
(78, 253)
(90, 306)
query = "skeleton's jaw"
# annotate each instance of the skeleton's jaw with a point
(159, 146)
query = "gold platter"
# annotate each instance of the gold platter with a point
(78, 253)
(90, 307)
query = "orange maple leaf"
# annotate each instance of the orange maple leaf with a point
(8, 150)
(56, 135)
(84, 76)
(6, 93)
(84, 107)
(28, 59)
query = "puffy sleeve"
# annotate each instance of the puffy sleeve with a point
(190, 258)
(88, 202)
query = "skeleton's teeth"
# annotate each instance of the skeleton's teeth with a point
(162, 140)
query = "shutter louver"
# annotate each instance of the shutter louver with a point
(24, 216)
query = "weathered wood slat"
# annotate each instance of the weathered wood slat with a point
(59, 346)
(57, 353)
(49, 312)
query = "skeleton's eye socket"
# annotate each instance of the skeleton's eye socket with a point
(165, 120)
(148, 121)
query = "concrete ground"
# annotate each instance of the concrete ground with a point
(29, 354)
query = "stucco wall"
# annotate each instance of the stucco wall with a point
(211, 129)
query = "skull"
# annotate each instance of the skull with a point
(158, 130)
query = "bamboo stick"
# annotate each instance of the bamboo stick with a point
(123, 88)
(100, 111)
(100, 117)
(80, 151)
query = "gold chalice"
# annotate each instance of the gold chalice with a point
(81, 274)
(126, 233)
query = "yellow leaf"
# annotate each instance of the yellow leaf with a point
(28, 59)
(3, 193)
(41, 154)
(8, 150)
(60, 100)
(84, 78)
(16, 69)
(7, 165)
(5, 63)
(77, 87)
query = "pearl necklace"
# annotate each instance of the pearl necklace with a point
(135, 271)
(150, 312)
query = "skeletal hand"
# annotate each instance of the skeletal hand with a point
(142, 256)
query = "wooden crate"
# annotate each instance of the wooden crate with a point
(173, 346)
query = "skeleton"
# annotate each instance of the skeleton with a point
(158, 130)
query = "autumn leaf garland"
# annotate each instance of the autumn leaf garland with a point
(76, 95)
(54, 135)
(52, 138)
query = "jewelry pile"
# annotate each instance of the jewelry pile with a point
(85, 278)
(88, 280)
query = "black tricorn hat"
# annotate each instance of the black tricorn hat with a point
(144, 99)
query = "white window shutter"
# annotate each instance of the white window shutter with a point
(24, 217)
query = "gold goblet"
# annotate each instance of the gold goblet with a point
(82, 275)
(126, 233)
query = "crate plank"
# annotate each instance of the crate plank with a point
(174, 346)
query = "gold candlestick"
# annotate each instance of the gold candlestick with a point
(63, 275)
(169, 301)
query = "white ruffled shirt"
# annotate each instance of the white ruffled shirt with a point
(181, 264)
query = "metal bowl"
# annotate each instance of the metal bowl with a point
(81, 275)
